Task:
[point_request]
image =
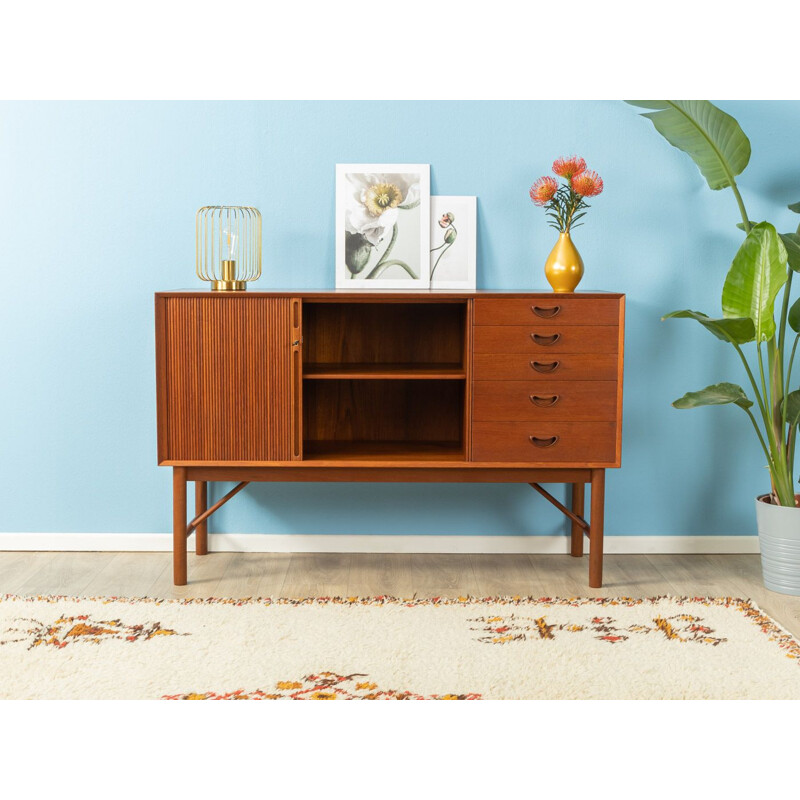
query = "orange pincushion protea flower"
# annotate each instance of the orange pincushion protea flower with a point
(587, 183)
(543, 190)
(567, 167)
(565, 204)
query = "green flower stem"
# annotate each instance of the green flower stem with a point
(380, 268)
(440, 258)
(575, 202)
(386, 251)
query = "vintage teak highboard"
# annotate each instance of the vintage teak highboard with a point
(367, 386)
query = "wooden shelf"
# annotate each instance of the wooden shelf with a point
(381, 451)
(340, 371)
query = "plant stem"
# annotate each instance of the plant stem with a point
(753, 383)
(760, 437)
(787, 289)
(440, 258)
(789, 371)
(777, 464)
(384, 265)
(767, 403)
(775, 366)
(742, 210)
(386, 251)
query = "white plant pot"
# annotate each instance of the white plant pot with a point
(779, 540)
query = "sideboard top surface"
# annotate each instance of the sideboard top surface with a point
(361, 294)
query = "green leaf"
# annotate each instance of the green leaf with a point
(711, 137)
(740, 225)
(794, 316)
(717, 395)
(795, 207)
(791, 241)
(729, 329)
(755, 278)
(793, 407)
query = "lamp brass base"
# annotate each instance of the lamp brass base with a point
(228, 286)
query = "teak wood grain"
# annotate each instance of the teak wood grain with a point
(543, 341)
(543, 441)
(383, 410)
(364, 386)
(545, 367)
(553, 309)
(296, 391)
(545, 400)
(384, 333)
(224, 379)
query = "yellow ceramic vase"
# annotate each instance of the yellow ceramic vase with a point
(564, 266)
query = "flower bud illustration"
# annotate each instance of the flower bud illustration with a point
(447, 219)
(450, 235)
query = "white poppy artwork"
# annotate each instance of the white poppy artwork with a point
(453, 251)
(382, 226)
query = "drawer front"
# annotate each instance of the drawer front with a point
(545, 442)
(546, 340)
(547, 309)
(543, 367)
(543, 401)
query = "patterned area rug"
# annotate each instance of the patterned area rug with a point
(383, 648)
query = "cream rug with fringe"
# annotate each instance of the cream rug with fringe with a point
(385, 648)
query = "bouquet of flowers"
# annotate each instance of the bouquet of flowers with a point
(566, 204)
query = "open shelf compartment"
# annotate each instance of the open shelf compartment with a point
(400, 339)
(384, 381)
(383, 420)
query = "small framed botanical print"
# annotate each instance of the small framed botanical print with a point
(382, 226)
(453, 242)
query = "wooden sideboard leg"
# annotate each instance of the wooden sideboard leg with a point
(596, 529)
(179, 526)
(578, 495)
(200, 505)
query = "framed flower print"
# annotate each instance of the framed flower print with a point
(382, 226)
(453, 242)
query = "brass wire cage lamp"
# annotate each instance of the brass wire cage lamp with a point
(228, 246)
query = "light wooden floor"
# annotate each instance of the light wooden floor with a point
(329, 574)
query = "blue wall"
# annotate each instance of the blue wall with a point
(97, 204)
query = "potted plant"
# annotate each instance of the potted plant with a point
(762, 268)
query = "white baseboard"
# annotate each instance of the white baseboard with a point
(335, 543)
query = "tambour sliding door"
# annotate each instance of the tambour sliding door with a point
(224, 367)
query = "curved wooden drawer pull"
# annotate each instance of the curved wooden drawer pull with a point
(536, 441)
(547, 313)
(545, 341)
(545, 366)
(544, 402)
